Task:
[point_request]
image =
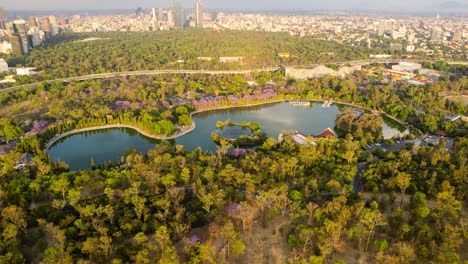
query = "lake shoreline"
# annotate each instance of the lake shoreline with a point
(192, 127)
(54, 140)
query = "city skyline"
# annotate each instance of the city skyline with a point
(293, 5)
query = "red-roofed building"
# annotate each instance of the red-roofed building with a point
(327, 133)
(441, 133)
(400, 74)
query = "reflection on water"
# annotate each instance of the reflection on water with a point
(110, 145)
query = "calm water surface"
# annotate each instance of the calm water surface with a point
(110, 145)
(233, 132)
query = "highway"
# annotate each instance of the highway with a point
(209, 72)
(135, 73)
(384, 61)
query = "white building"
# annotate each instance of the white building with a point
(23, 71)
(54, 29)
(230, 59)
(5, 47)
(3, 66)
(38, 36)
(410, 48)
(380, 56)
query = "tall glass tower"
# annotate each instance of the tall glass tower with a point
(198, 14)
(179, 15)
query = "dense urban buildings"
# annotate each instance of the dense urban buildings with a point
(432, 36)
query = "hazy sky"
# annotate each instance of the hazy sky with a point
(301, 5)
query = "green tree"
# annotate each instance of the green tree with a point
(167, 127)
(185, 120)
(12, 132)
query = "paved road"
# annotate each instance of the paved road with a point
(362, 166)
(384, 61)
(157, 72)
(134, 73)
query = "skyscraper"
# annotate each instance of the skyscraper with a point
(381, 30)
(20, 28)
(46, 24)
(16, 44)
(64, 21)
(179, 16)
(457, 36)
(421, 24)
(198, 14)
(32, 22)
(153, 14)
(2, 20)
(170, 19)
(53, 20)
(436, 34)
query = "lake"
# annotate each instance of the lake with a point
(111, 144)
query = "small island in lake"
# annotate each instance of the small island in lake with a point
(240, 135)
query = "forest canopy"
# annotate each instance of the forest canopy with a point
(130, 51)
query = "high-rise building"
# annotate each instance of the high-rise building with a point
(158, 19)
(46, 24)
(411, 37)
(20, 28)
(457, 36)
(16, 44)
(160, 14)
(381, 30)
(53, 20)
(37, 36)
(436, 34)
(2, 20)
(64, 21)
(170, 19)
(179, 16)
(154, 20)
(33, 22)
(198, 14)
(421, 24)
